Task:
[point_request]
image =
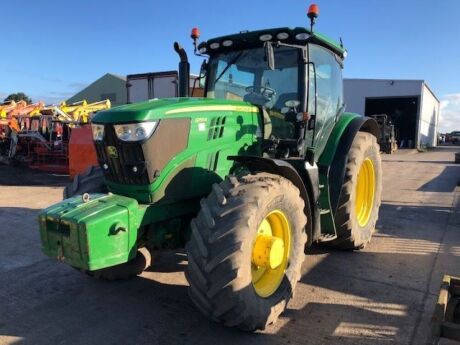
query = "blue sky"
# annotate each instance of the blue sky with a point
(51, 49)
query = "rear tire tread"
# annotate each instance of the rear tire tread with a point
(350, 236)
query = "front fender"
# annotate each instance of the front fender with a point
(305, 178)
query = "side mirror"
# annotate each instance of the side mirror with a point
(270, 55)
(203, 73)
(311, 122)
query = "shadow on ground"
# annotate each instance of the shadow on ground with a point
(438, 184)
(16, 175)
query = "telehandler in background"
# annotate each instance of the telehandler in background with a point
(246, 178)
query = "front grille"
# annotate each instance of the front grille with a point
(120, 166)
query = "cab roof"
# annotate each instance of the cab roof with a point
(247, 39)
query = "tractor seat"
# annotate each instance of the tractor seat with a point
(282, 98)
(277, 125)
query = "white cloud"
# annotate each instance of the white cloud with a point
(449, 118)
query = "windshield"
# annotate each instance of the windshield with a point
(244, 75)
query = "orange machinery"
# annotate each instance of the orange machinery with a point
(54, 138)
(25, 109)
(62, 142)
(82, 153)
(9, 106)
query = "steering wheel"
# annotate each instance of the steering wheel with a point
(264, 91)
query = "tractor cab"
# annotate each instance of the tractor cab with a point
(294, 76)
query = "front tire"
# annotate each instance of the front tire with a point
(126, 270)
(90, 181)
(359, 202)
(246, 250)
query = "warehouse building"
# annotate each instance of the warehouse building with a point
(109, 86)
(135, 88)
(410, 104)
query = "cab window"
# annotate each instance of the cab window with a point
(329, 91)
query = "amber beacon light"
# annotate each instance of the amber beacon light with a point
(313, 13)
(195, 33)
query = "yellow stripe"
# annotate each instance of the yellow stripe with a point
(242, 108)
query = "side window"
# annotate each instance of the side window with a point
(329, 92)
(233, 83)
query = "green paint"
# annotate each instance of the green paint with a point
(325, 161)
(174, 194)
(333, 141)
(156, 109)
(91, 235)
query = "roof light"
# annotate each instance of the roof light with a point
(265, 37)
(313, 11)
(227, 43)
(345, 54)
(302, 36)
(214, 45)
(282, 35)
(202, 50)
(195, 33)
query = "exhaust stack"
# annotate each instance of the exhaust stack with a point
(184, 71)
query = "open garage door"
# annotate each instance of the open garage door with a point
(403, 112)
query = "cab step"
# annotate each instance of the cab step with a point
(327, 237)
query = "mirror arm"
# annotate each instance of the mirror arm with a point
(269, 55)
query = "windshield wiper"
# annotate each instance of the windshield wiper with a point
(232, 62)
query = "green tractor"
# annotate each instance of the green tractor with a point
(246, 178)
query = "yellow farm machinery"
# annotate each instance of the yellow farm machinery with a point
(46, 134)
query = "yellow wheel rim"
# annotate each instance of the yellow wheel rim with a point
(365, 192)
(270, 253)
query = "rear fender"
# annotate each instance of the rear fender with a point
(334, 158)
(306, 180)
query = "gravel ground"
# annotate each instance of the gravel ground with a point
(384, 294)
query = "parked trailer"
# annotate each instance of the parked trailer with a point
(145, 86)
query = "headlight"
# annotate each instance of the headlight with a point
(302, 36)
(265, 37)
(98, 131)
(135, 131)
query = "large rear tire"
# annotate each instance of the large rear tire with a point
(359, 202)
(90, 181)
(246, 250)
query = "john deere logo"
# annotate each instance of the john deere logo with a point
(112, 151)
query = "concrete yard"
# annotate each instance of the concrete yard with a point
(384, 294)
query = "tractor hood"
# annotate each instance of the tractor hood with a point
(169, 108)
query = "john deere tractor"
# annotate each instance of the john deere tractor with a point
(246, 178)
